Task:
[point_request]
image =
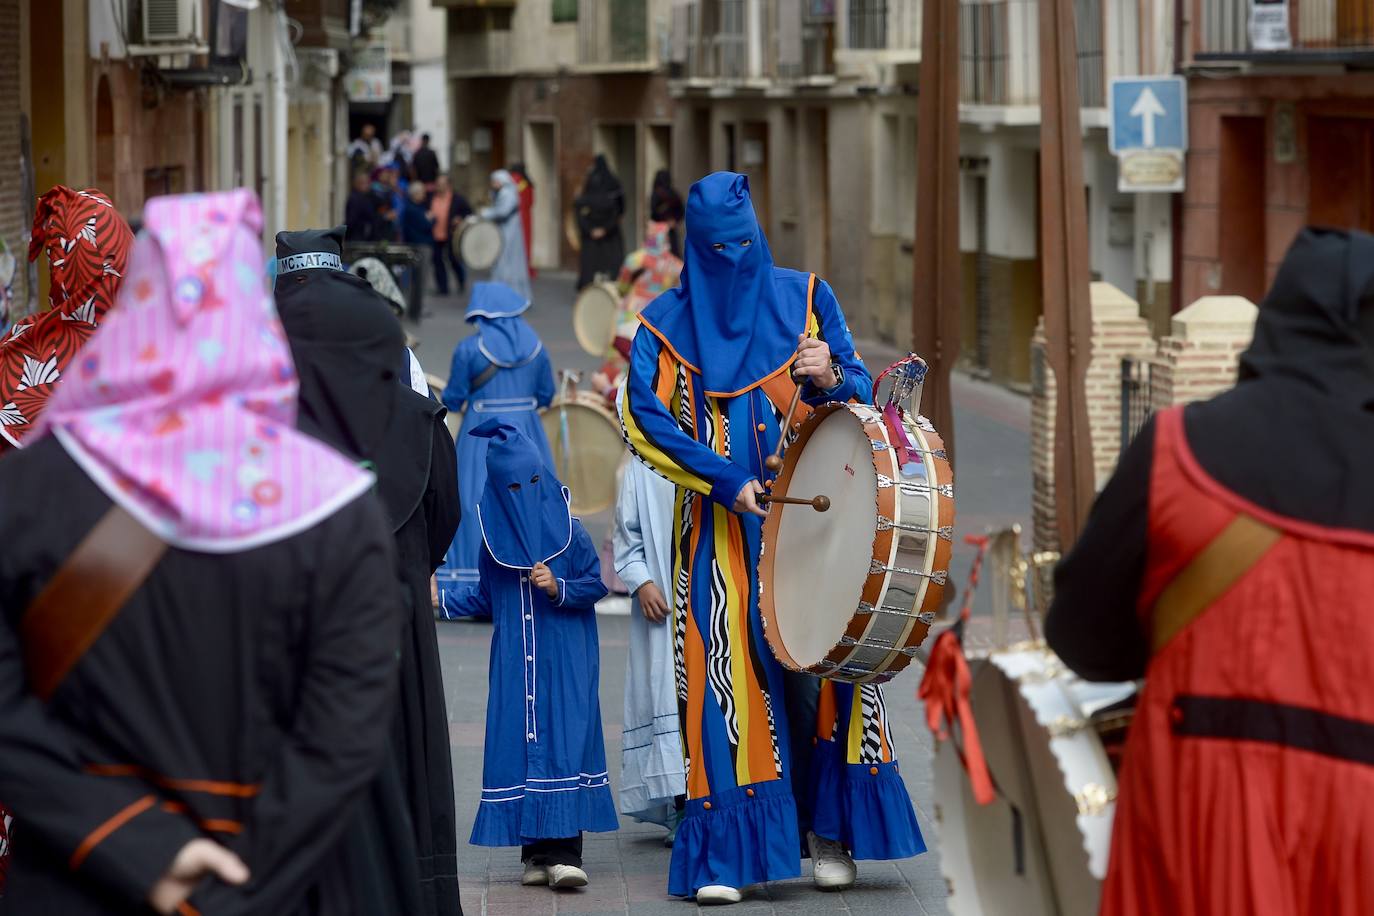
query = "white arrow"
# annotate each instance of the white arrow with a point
(1147, 108)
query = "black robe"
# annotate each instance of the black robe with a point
(600, 206)
(349, 353)
(248, 693)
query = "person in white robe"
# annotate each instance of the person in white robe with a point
(511, 268)
(652, 776)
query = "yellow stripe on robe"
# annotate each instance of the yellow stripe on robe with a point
(656, 457)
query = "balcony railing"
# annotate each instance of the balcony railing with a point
(883, 25)
(999, 44)
(1331, 29)
(717, 40)
(476, 53)
(804, 32)
(613, 32)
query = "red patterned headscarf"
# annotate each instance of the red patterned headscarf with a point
(87, 243)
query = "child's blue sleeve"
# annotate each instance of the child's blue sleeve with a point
(583, 588)
(475, 602)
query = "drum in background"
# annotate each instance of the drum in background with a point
(1040, 847)
(850, 593)
(587, 449)
(595, 314)
(478, 244)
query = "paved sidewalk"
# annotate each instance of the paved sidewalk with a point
(628, 869)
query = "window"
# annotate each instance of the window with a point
(564, 10)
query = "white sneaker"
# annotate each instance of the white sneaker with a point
(832, 866)
(562, 876)
(535, 875)
(717, 895)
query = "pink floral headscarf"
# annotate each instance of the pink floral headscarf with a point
(182, 407)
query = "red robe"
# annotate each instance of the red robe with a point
(1247, 785)
(522, 184)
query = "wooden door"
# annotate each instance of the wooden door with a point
(1241, 235)
(1340, 168)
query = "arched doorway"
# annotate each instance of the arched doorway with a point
(104, 138)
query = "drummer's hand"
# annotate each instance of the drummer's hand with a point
(813, 363)
(652, 604)
(747, 500)
(543, 578)
(434, 590)
(601, 383)
(598, 233)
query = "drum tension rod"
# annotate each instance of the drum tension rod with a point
(908, 651)
(944, 532)
(926, 617)
(939, 577)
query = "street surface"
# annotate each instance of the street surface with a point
(628, 869)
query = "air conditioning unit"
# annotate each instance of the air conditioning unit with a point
(173, 22)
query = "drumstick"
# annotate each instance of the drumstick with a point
(774, 461)
(819, 503)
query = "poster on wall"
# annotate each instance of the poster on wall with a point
(369, 79)
(1269, 26)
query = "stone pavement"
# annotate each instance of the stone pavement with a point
(628, 869)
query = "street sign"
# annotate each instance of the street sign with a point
(1147, 113)
(1148, 131)
(369, 80)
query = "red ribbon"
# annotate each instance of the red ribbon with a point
(945, 689)
(896, 431)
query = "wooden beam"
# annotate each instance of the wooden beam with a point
(938, 281)
(1064, 265)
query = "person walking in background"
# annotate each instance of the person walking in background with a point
(417, 228)
(424, 165)
(87, 244)
(350, 351)
(525, 185)
(544, 775)
(653, 780)
(665, 206)
(362, 214)
(1244, 595)
(199, 739)
(366, 151)
(447, 210)
(511, 268)
(599, 208)
(501, 372)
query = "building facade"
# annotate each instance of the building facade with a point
(1281, 136)
(817, 100)
(553, 83)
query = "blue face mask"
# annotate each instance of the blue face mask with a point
(523, 512)
(731, 320)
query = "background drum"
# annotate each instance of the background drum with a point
(587, 449)
(478, 244)
(595, 314)
(850, 593)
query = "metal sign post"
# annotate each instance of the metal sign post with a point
(937, 286)
(1064, 266)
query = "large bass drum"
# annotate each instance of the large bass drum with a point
(850, 593)
(479, 244)
(587, 449)
(1051, 741)
(595, 314)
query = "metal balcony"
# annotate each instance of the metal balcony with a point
(999, 43)
(1317, 31)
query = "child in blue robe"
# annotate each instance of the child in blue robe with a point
(544, 777)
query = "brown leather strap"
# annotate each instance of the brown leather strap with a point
(1211, 573)
(84, 595)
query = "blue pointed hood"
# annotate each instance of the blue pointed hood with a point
(730, 304)
(523, 512)
(505, 339)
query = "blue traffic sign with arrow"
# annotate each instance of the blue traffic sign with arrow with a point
(1148, 112)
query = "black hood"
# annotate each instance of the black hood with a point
(1310, 327)
(1294, 435)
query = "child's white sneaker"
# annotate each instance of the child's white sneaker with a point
(833, 867)
(718, 894)
(563, 876)
(535, 875)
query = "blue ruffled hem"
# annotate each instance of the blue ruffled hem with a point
(736, 837)
(544, 816)
(869, 812)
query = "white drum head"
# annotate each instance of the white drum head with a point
(822, 558)
(594, 317)
(479, 245)
(587, 451)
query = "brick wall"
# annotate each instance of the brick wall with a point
(1118, 332)
(1200, 356)
(14, 209)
